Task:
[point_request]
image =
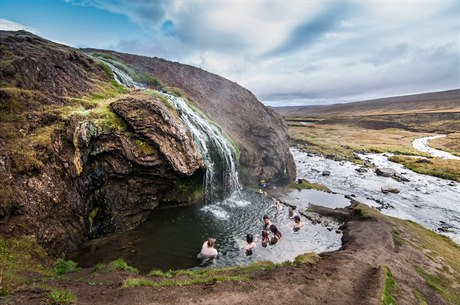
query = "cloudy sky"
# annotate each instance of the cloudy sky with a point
(286, 52)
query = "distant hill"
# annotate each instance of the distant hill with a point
(444, 101)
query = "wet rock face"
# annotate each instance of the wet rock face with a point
(259, 132)
(151, 119)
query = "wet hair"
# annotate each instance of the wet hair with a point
(265, 217)
(275, 231)
(249, 238)
(296, 218)
(264, 236)
(211, 242)
(293, 207)
(264, 233)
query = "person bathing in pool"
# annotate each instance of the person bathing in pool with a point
(297, 223)
(208, 250)
(276, 235)
(250, 246)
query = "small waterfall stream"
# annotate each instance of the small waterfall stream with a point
(219, 155)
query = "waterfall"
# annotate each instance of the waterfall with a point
(219, 156)
(121, 76)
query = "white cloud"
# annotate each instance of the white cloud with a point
(305, 50)
(8, 25)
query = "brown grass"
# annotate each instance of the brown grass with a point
(451, 143)
(442, 168)
(344, 140)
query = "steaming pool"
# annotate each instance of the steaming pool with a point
(171, 238)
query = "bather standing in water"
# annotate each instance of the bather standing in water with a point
(276, 235)
(265, 238)
(291, 211)
(267, 222)
(250, 246)
(297, 223)
(208, 250)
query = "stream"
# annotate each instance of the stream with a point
(430, 201)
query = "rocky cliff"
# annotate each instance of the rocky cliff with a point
(82, 156)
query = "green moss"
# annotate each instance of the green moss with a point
(144, 147)
(308, 185)
(361, 211)
(420, 298)
(135, 282)
(188, 190)
(397, 240)
(62, 267)
(120, 264)
(61, 297)
(159, 273)
(441, 284)
(92, 214)
(389, 288)
(307, 258)
(19, 257)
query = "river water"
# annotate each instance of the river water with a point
(429, 201)
(422, 145)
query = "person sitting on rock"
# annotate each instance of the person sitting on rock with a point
(265, 238)
(276, 235)
(250, 246)
(208, 250)
(297, 223)
(291, 211)
(267, 222)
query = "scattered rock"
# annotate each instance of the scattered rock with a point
(362, 169)
(385, 172)
(443, 229)
(424, 161)
(389, 190)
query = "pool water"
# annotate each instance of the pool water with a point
(171, 238)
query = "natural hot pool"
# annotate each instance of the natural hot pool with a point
(172, 237)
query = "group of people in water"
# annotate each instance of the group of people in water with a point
(270, 234)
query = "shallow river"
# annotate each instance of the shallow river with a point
(430, 201)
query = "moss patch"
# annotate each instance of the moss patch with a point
(19, 257)
(309, 185)
(389, 288)
(442, 285)
(120, 264)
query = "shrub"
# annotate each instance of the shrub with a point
(62, 267)
(58, 297)
(120, 264)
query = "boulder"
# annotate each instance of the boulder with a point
(385, 172)
(326, 173)
(389, 190)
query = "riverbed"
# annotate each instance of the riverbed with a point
(429, 201)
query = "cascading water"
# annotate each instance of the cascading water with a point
(219, 156)
(121, 76)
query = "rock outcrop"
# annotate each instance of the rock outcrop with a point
(259, 132)
(81, 156)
